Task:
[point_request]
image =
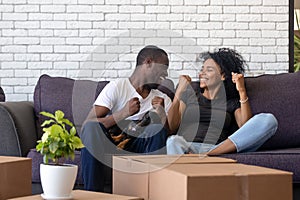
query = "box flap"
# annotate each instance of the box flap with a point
(171, 159)
(222, 169)
(8, 159)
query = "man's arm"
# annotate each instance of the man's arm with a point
(100, 113)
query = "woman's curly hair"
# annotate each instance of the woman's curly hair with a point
(229, 61)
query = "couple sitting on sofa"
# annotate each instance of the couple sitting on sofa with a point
(215, 119)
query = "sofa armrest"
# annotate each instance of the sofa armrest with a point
(17, 128)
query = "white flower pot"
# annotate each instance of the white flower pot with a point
(58, 180)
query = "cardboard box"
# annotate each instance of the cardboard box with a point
(15, 177)
(205, 180)
(131, 174)
(82, 195)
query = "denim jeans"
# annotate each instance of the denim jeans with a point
(94, 157)
(252, 135)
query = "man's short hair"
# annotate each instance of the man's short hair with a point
(150, 51)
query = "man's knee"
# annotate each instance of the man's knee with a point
(91, 130)
(153, 129)
(91, 126)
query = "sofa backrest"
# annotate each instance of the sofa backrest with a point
(277, 94)
(280, 95)
(74, 97)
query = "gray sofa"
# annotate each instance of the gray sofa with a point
(278, 94)
(2, 95)
(20, 121)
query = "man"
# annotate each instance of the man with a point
(126, 99)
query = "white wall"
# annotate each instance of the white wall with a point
(99, 39)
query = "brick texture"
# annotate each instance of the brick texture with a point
(98, 40)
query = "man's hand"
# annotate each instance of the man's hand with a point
(158, 102)
(132, 106)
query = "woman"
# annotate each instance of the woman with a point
(217, 118)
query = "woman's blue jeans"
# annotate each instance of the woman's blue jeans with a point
(252, 135)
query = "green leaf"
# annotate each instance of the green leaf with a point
(73, 131)
(77, 143)
(66, 121)
(47, 114)
(47, 122)
(45, 159)
(296, 53)
(59, 115)
(72, 155)
(55, 130)
(39, 146)
(53, 147)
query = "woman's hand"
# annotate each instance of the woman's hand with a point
(239, 81)
(184, 81)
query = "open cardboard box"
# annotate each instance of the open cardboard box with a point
(15, 177)
(194, 177)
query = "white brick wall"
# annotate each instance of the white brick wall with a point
(99, 39)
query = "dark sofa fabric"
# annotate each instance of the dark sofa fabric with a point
(280, 95)
(74, 98)
(2, 95)
(18, 130)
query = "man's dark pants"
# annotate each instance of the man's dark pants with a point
(96, 156)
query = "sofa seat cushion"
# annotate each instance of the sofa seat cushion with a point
(283, 159)
(37, 159)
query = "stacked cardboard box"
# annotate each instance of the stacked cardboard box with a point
(194, 177)
(15, 177)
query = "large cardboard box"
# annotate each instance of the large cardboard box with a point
(15, 177)
(132, 174)
(207, 179)
(82, 195)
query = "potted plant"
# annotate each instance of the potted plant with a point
(58, 143)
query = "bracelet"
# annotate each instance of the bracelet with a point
(244, 101)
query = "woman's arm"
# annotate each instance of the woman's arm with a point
(242, 114)
(178, 106)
